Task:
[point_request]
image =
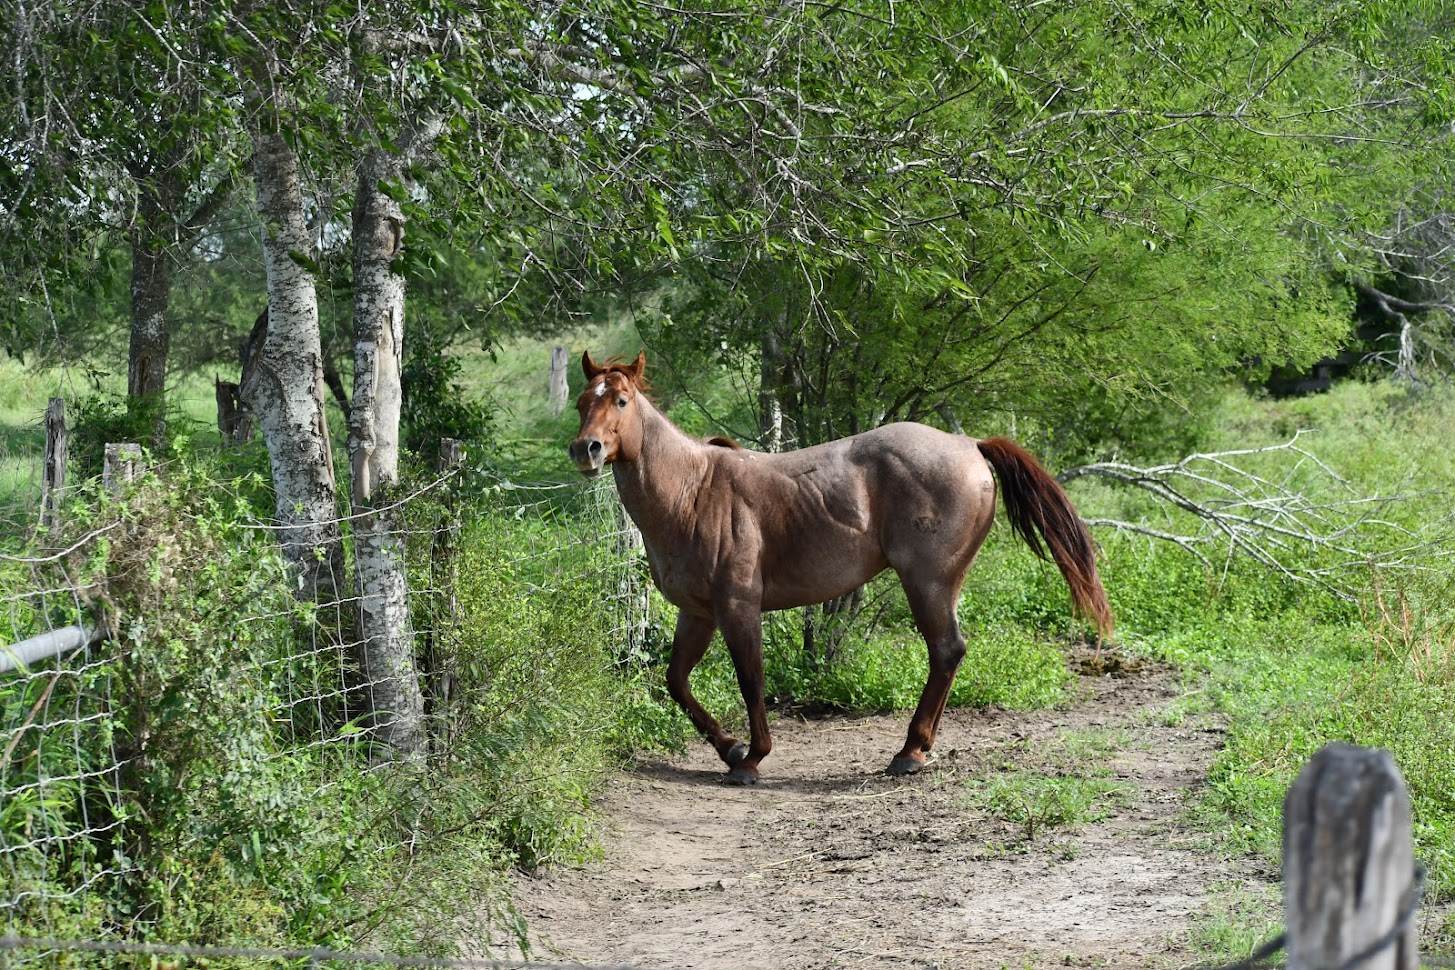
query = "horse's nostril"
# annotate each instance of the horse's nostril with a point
(595, 447)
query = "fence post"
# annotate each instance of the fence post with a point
(1349, 889)
(234, 422)
(558, 380)
(632, 592)
(439, 671)
(121, 466)
(53, 475)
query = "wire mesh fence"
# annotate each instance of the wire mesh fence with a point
(78, 731)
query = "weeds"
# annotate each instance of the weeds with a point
(1037, 802)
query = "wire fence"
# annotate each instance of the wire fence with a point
(76, 729)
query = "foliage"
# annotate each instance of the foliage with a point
(99, 420)
(435, 405)
(1037, 802)
(1291, 668)
(246, 807)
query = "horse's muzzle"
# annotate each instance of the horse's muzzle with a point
(589, 455)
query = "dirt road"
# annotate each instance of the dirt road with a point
(829, 863)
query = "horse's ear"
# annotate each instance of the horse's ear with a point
(588, 366)
(638, 367)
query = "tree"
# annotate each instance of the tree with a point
(1023, 207)
(117, 129)
(282, 382)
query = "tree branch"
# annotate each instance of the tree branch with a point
(1285, 524)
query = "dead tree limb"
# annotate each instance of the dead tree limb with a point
(1269, 518)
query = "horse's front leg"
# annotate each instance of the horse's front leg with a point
(689, 643)
(741, 621)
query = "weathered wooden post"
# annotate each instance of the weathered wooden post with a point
(53, 474)
(632, 592)
(1349, 885)
(439, 669)
(121, 466)
(234, 421)
(558, 380)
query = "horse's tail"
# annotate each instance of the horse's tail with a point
(1038, 509)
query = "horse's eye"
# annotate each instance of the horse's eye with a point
(621, 402)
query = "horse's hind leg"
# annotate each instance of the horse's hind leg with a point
(689, 643)
(933, 605)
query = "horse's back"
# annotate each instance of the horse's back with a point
(903, 495)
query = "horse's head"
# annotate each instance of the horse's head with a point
(611, 427)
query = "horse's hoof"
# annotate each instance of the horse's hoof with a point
(903, 766)
(736, 754)
(742, 776)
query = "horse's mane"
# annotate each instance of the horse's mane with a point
(620, 365)
(724, 442)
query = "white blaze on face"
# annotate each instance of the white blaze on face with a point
(601, 389)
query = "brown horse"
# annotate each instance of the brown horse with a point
(731, 533)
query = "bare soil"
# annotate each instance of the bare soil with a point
(829, 863)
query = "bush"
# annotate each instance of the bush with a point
(548, 695)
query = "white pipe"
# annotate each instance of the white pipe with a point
(47, 645)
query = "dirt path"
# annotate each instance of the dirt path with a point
(828, 863)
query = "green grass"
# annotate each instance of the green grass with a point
(1292, 668)
(1287, 666)
(1035, 802)
(1058, 784)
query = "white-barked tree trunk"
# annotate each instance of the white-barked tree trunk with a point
(386, 637)
(283, 386)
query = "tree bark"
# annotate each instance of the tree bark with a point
(386, 639)
(770, 391)
(146, 371)
(284, 387)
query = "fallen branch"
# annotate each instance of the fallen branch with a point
(1275, 522)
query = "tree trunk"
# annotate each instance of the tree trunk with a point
(770, 391)
(386, 640)
(284, 387)
(151, 334)
(146, 370)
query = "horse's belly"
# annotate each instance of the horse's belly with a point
(812, 576)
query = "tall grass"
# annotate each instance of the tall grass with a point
(1291, 667)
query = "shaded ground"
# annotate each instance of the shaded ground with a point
(829, 863)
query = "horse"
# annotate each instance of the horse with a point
(731, 533)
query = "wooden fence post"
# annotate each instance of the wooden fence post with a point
(439, 670)
(558, 380)
(1349, 888)
(121, 466)
(53, 474)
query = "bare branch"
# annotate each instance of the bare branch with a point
(1275, 520)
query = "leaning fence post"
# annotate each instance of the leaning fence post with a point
(1349, 882)
(53, 475)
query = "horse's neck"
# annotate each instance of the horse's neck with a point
(659, 487)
